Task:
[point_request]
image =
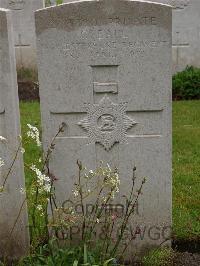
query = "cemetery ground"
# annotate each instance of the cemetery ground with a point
(186, 174)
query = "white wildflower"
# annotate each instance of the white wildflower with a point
(2, 139)
(112, 180)
(75, 192)
(1, 162)
(42, 179)
(97, 221)
(47, 188)
(39, 207)
(22, 190)
(34, 134)
(33, 191)
(40, 190)
(22, 150)
(33, 167)
(104, 199)
(117, 190)
(112, 195)
(109, 168)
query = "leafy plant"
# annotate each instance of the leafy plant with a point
(186, 84)
(100, 231)
(51, 255)
(104, 223)
(59, 2)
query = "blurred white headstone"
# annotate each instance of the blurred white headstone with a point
(14, 237)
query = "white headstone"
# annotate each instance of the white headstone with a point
(14, 237)
(24, 29)
(105, 71)
(186, 33)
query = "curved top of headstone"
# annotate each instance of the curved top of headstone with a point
(176, 4)
(96, 12)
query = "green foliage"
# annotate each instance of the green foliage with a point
(98, 186)
(186, 169)
(159, 257)
(186, 84)
(59, 2)
(51, 254)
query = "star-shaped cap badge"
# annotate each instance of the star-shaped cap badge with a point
(107, 122)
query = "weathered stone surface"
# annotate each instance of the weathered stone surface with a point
(105, 71)
(14, 240)
(24, 29)
(186, 33)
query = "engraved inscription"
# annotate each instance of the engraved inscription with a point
(107, 122)
(72, 22)
(111, 33)
(110, 48)
(109, 41)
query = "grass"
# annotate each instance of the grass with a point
(186, 169)
(30, 114)
(159, 257)
(186, 163)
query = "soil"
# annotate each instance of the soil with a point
(28, 90)
(186, 259)
(180, 259)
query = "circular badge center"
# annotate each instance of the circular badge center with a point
(106, 123)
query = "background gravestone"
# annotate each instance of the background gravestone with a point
(24, 29)
(105, 71)
(186, 32)
(17, 243)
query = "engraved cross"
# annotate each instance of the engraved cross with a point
(107, 121)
